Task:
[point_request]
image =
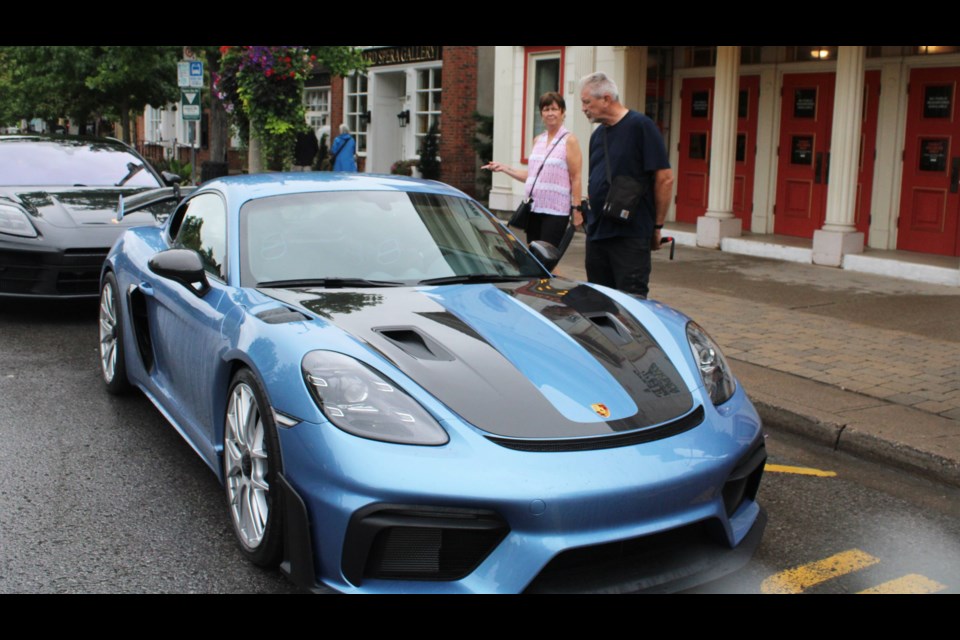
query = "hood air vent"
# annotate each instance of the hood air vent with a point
(414, 343)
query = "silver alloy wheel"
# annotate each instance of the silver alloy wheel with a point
(246, 465)
(108, 333)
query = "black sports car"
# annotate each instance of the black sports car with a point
(58, 204)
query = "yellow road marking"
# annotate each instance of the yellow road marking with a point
(911, 583)
(803, 471)
(805, 576)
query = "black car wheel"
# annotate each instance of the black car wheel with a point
(251, 463)
(112, 363)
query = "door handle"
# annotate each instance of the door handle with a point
(817, 167)
(954, 174)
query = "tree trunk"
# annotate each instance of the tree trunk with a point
(219, 132)
(255, 155)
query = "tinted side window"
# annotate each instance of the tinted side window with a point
(204, 229)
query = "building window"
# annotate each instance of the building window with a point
(427, 101)
(543, 72)
(356, 113)
(316, 103)
(153, 125)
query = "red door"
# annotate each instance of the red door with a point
(693, 166)
(929, 201)
(696, 96)
(806, 116)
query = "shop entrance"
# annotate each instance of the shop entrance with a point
(384, 139)
(803, 168)
(693, 166)
(929, 200)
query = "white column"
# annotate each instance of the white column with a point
(719, 221)
(839, 235)
(504, 114)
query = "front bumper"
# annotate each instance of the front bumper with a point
(659, 516)
(50, 273)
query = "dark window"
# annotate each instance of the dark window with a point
(203, 228)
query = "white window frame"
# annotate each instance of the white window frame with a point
(532, 124)
(356, 102)
(432, 93)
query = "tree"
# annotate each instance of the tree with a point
(262, 91)
(83, 82)
(129, 78)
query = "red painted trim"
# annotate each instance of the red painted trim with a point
(524, 151)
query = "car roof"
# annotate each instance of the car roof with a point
(262, 185)
(62, 138)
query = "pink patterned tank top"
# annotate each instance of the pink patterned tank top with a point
(551, 194)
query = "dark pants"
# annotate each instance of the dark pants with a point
(546, 227)
(620, 263)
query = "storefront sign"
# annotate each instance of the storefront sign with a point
(801, 150)
(402, 55)
(700, 104)
(938, 101)
(933, 154)
(805, 103)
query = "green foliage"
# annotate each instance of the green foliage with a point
(182, 169)
(403, 167)
(261, 89)
(429, 153)
(84, 82)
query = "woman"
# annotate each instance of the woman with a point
(552, 175)
(343, 151)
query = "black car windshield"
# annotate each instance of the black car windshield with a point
(384, 237)
(41, 162)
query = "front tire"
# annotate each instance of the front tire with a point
(251, 464)
(113, 367)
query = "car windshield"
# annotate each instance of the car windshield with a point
(68, 162)
(381, 237)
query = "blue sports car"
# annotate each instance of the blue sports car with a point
(398, 396)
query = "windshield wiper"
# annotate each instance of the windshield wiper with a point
(329, 283)
(477, 277)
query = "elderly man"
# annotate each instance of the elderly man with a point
(629, 143)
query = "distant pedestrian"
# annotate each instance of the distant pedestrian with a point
(626, 144)
(552, 176)
(344, 151)
(305, 150)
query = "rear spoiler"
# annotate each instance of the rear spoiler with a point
(146, 199)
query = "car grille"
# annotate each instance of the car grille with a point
(419, 543)
(647, 563)
(75, 272)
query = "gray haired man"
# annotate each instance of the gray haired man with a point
(630, 144)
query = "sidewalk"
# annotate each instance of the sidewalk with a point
(864, 363)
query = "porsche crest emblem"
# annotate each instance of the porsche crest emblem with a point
(601, 410)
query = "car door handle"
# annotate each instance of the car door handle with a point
(146, 288)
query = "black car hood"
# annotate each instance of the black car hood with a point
(71, 207)
(534, 359)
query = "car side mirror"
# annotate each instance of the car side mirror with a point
(183, 266)
(546, 253)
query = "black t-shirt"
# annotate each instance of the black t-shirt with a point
(635, 149)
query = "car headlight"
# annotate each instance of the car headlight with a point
(713, 366)
(360, 401)
(14, 221)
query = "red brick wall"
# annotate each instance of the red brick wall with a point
(458, 165)
(336, 107)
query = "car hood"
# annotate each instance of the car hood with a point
(536, 359)
(71, 207)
